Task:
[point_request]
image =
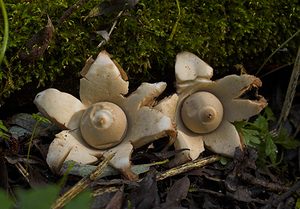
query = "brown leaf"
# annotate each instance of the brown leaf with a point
(146, 195)
(117, 200)
(177, 192)
(244, 194)
(36, 178)
(37, 45)
(100, 201)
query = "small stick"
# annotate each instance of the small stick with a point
(111, 29)
(81, 185)
(290, 92)
(108, 189)
(260, 182)
(283, 196)
(274, 52)
(187, 167)
(169, 173)
(22, 170)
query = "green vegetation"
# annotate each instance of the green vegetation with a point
(39, 119)
(46, 196)
(4, 133)
(146, 38)
(5, 36)
(269, 144)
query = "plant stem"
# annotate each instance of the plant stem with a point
(290, 93)
(30, 142)
(176, 23)
(5, 38)
(271, 55)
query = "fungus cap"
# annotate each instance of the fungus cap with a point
(103, 125)
(202, 112)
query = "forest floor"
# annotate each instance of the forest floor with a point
(213, 182)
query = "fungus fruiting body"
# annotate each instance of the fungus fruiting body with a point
(206, 108)
(103, 125)
(202, 112)
(104, 120)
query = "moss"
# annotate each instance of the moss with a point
(223, 33)
(74, 40)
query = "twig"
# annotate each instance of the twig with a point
(111, 29)
(104, 190)
(30, 142)
(81, 185)
(296, 133)
(291, 191)
(271, 55)
(187, 167)
(169, 173)
(260, 182)
(22, 170)
(290, 92)
(276, 69)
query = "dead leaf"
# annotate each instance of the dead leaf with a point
(177, 193)
(146, 196)
(22, 124)
(36, 179)
(244, 194)
(117, 200)
(100, 201)
(37, 45)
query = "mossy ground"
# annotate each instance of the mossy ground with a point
(148, 37)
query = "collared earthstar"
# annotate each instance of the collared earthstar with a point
(206, 108)
(105, 120)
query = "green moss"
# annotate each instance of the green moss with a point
(223, 33)
(73, 41)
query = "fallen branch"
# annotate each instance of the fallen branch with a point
(260, 182)
(81, 185)
(169, 173)
(273, 202)
(187, 167)
(86, 181)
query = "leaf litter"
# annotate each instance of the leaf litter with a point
(239, 182)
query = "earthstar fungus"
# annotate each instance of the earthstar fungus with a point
(104, 120)
(206, 108)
